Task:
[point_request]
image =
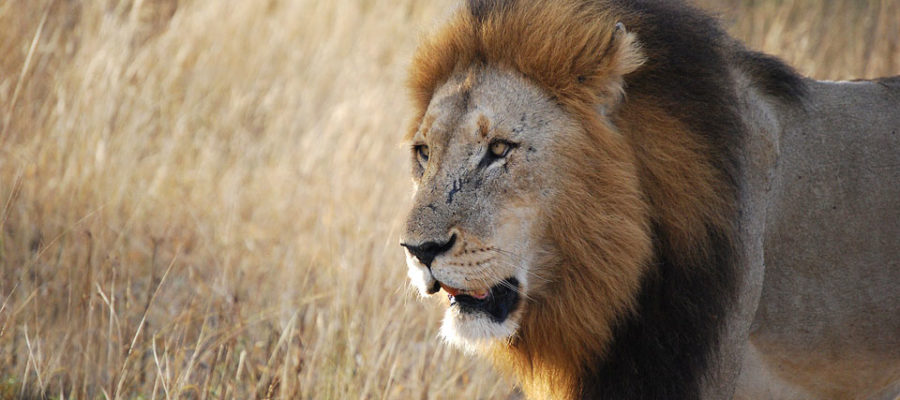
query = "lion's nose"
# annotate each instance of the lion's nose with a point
(426, 252)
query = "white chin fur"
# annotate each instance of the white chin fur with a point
(473, 331)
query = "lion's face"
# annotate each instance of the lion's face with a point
(482, 166)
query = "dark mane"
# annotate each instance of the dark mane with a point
(662, 349)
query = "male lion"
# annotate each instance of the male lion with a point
(622, 202)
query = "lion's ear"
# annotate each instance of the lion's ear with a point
(621, 57)
(624, 52)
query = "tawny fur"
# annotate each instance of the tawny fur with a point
(650, 171)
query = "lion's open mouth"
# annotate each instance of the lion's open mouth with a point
(497, 302)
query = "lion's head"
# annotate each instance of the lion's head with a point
(520, 179)
(506, 185)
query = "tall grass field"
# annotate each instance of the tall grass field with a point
(203, 199)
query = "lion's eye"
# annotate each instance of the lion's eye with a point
(500, 148)
(422, 152)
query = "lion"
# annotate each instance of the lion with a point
(620, 201)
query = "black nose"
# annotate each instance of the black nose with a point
(426, 252)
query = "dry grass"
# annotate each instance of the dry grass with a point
(202, 199)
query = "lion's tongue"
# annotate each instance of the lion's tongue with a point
(478, 294)
(450, 290)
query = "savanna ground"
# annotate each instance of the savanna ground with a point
(202, 199)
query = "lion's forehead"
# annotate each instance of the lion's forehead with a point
(486, 102)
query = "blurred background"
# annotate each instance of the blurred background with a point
(202, 199)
